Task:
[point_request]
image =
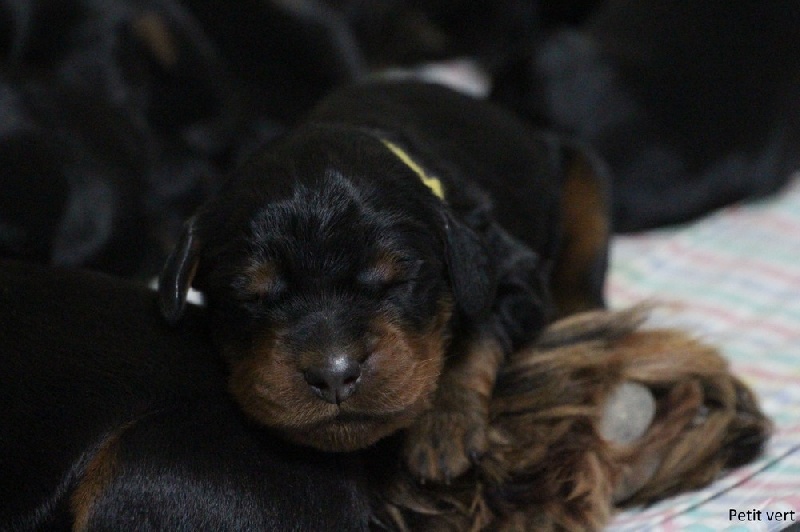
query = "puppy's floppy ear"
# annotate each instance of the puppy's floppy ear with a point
(472, 272)
(178, 272)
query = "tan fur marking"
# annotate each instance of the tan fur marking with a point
(150, 28)
(474, 370)
(443, 442)
(386, 268)
(96, 478)
(262, 278)
(586, 227)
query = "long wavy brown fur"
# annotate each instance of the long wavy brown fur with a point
(549, 468)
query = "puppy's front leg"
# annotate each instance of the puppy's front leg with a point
(445, 440)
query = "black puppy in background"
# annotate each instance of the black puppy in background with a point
(117, 116)
(369, 271)
(103, 155)
(71, 187)
(396, 33)
(113, 421)
(694, 105)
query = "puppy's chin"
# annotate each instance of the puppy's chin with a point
(347, 435)
(358, 423)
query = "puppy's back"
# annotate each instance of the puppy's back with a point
(465, 142)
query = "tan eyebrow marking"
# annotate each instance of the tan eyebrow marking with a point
(262, 278)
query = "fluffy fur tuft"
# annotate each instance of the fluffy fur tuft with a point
(549, 468)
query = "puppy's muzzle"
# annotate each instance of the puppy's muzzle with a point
(331, 351)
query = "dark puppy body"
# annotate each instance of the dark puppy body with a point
(409, 32)
(103, 156)
(113, 421)
(71, 187)
(340, 261)
(117, 116)
(692, 104)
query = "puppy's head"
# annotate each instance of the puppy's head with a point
(330, 293)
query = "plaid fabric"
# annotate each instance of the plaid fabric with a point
(734, 280)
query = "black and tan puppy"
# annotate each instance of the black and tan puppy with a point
(110, 420)
(369, 271)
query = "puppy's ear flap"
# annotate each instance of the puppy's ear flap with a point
(472, 272)
(178, 272)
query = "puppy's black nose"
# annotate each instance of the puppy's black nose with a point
(336, 380)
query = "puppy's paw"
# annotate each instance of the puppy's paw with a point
(442, 445)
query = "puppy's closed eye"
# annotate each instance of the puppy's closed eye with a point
(389, 270)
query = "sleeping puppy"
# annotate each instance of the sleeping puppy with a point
(369, 271)
(113, 421)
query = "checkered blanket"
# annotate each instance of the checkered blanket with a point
(733, 279)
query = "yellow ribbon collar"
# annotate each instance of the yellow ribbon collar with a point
(431, 182)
